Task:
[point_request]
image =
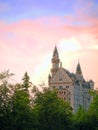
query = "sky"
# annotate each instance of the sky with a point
(30, 29)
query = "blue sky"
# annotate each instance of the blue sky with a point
(12, 10)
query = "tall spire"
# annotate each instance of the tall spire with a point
(55, 52)
(55, 61)
(78, 69)
(79, 75)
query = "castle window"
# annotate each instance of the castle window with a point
(60, 79)
(69, 99)
(64, 98)
(54, 86)
(69, 93)
(59, 92)
(60, 87)
(64, 92)
(67, 86)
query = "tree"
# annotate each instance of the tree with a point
(21, 112)
(88, 120)
(15, 109)
(53, 112)
(26, 82)
(93, 111)
(81, 119)
(5, 100)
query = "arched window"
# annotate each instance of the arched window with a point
(64, 92)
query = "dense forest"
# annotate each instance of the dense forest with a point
(24, 107)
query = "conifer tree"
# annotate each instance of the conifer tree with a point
(26, 82)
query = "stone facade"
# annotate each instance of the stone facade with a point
(71, 87)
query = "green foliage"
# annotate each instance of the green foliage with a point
(26, 82)
(5, 100)
(54, 113)
(4, 76)
(81, 119)
(88, 120)
(44, 110)
(21, 111)
(15, 109)
(93, 111)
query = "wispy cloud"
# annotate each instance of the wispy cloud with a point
(27, 44)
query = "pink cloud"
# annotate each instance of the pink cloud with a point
(23, 44)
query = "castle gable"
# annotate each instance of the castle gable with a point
(61, 77)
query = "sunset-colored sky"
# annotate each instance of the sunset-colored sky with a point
(30, 29)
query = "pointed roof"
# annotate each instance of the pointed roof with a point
(55, 52)
(61, 76)
(49, 76)
(78, 69)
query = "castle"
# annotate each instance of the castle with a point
(71, 87)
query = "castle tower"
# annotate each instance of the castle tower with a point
(79, 75)
(55, 62)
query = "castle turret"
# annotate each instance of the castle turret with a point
(49, 78)
(55, 62)
(79, 75)
(78, 69)
(91, 83)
